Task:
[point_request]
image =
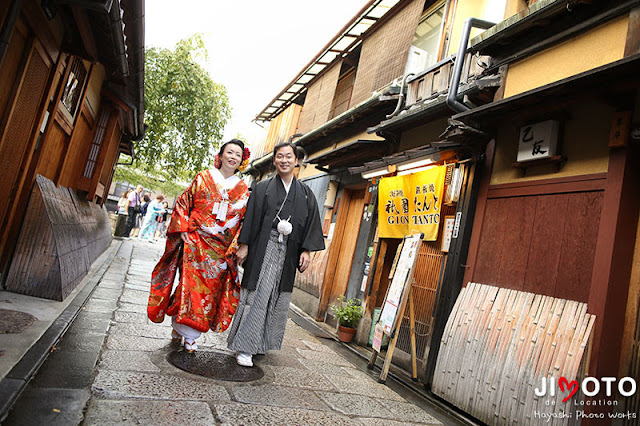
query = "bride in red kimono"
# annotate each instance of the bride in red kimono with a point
(201, 244)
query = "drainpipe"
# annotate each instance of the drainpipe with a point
(401, 97)
(296, 135)
(7, 27)
(470, 23)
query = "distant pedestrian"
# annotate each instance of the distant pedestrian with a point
(154, 209)
(161, 230)
(281, 228)
(123, 203)
(133, 209)
(201, 242)
(146, 199)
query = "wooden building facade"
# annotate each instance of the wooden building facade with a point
(71, 100)
(333, 117)
(549, 244)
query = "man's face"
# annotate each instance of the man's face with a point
(139, 189)
(285, 160)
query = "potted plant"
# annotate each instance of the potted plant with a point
(348, 314)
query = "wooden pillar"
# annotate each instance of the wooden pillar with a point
(334, 253)
(478, 220)
(459, 252)
(612, 264)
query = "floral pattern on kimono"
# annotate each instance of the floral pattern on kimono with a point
(207, 294)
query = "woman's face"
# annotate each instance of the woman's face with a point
(231, 157)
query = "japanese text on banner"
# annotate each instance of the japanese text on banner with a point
(411, 203)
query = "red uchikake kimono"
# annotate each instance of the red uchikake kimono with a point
(207, 294)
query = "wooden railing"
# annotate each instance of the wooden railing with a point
(434, 81)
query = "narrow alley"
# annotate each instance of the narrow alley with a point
(111, 368)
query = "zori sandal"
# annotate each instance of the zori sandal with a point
(190, 347)
(175, 336)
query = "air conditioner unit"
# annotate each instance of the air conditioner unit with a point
(416, 61)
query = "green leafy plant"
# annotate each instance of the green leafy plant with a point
(348, 312)
(185, 111)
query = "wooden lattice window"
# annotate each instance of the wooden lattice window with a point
(96, 143)
(73, 86)
(342, 99)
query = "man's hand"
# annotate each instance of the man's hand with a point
(242, 252)
(184, 236)
(305, 259)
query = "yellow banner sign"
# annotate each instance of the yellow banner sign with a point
(411, 203)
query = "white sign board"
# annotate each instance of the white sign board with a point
(405, 264)
(449, 221)
(538, 140)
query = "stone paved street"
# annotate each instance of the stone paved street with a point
(306, 383)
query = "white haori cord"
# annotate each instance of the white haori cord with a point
(284, 226)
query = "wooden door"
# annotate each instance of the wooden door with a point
(20, 119)
(344, 242)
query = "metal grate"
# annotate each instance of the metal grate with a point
(96, 144)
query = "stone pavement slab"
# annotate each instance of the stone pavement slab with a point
(130, 307)
(355, 404)
(127, 361)
(324, 357)
(407, 412)
(318, 346)
(120, 342)
(125, 384)
(280, 396)
(106, 293)
(363, 386)
(259, 415)
(100, 306)
(134, 317)
(324, 368)
(112, 284)
(145, 330)
(372, 421)
(277, 358)
(138, 287)
(158, 413)
(135, 297)
(303, 379)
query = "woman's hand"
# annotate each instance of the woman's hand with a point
(241, 254)
(184, 236)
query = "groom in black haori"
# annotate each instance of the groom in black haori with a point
(281, 227)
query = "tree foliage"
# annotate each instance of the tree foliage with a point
(185, 111)
(158, 182)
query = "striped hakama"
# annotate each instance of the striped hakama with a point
(261, 317)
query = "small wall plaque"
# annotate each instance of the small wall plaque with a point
(538, 140)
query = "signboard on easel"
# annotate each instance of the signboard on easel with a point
(401, 271)
(395, 303)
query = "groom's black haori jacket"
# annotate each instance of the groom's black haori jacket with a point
(259, 220)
